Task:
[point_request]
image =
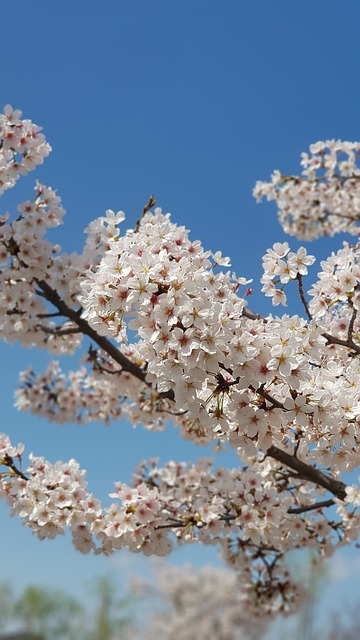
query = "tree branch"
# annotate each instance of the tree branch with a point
(125, 363)
(58, 331)
(312, 507)
(307, 472)
(350, 344)
(352, 322)
(302, 296)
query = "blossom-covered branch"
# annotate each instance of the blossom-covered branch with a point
(169, 336)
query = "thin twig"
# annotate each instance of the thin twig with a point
(302, 296)
(264, 394)
(151, 203)
(9, 462)
(312, 507)
(352, 321)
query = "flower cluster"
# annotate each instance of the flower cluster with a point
(280, 267)
(325, 199)
(241, 510)
(26, 259)
(195, 609)
(7, 450)
(337, 291)
(22, 147)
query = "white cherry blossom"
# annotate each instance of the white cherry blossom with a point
(168, 336)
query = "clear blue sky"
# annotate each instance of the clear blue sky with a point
(191, 100)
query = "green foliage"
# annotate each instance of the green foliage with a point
(6, 604)
(47, 614)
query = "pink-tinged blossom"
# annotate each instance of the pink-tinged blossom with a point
(172, 338)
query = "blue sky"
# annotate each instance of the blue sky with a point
(192, 101)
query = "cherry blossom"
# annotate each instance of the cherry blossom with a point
(193, 608)
(166, 334)
(22, 147)
(324, 199)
